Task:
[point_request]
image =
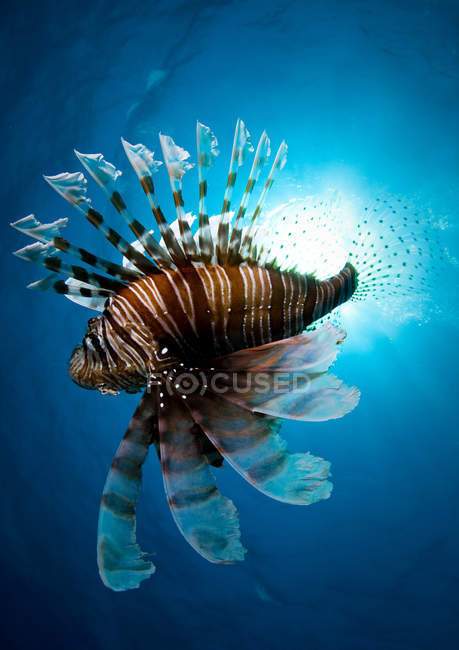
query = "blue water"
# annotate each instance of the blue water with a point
(366, 94)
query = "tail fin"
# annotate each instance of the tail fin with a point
(335, 291)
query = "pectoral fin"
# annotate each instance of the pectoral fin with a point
(122, 563)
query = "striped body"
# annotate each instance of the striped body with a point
(195, 314)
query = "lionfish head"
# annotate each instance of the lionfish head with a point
(89, 365)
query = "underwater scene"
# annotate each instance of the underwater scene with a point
(230, 396)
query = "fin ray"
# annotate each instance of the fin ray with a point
(207, 152)
(242, 145)
(50, 234)
(72, 187)
(207, 520)
(252, 445)
(44, 254)
(105, 174)
(261, 156)
(122, 563)
(177, 164)
(144, 164)
(278, 164)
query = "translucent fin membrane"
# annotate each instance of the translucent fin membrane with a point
(106, 175)
(207, 520)
(395, 248)
(45, 254)
(145, 165)
(307, 393)
(50, 234)
(279, 163)
(178, 247)
(72, 187)
(80, 292)
(177, 164)
(242, 146)
(261, 157)
(207, 153)
(44, 232)
(252, 445)
(122, 563)
(313, 352)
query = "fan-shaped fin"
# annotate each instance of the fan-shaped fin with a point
(207, 152)
(49, 233)
(288, 378)
(122, 563)
(261, 157)
(293, 395)
(177, 164)
(105, 174)
(207, 448)
(145, 165)
(242, 145)
(207, 520)
(45, 255)
(252, 445)
(72, 187)
(311, 352)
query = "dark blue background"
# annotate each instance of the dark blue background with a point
(361, 90)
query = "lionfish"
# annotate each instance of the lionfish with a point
(204, 324)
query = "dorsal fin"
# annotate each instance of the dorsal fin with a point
(279, 163)
(177, 164)
(242, 145)
(207, 152)
(145, 165)
(55, 284)
(261, 156)
(45, 255)
(105, 174)
(72, 187)
(49, 234)
(178, 247)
